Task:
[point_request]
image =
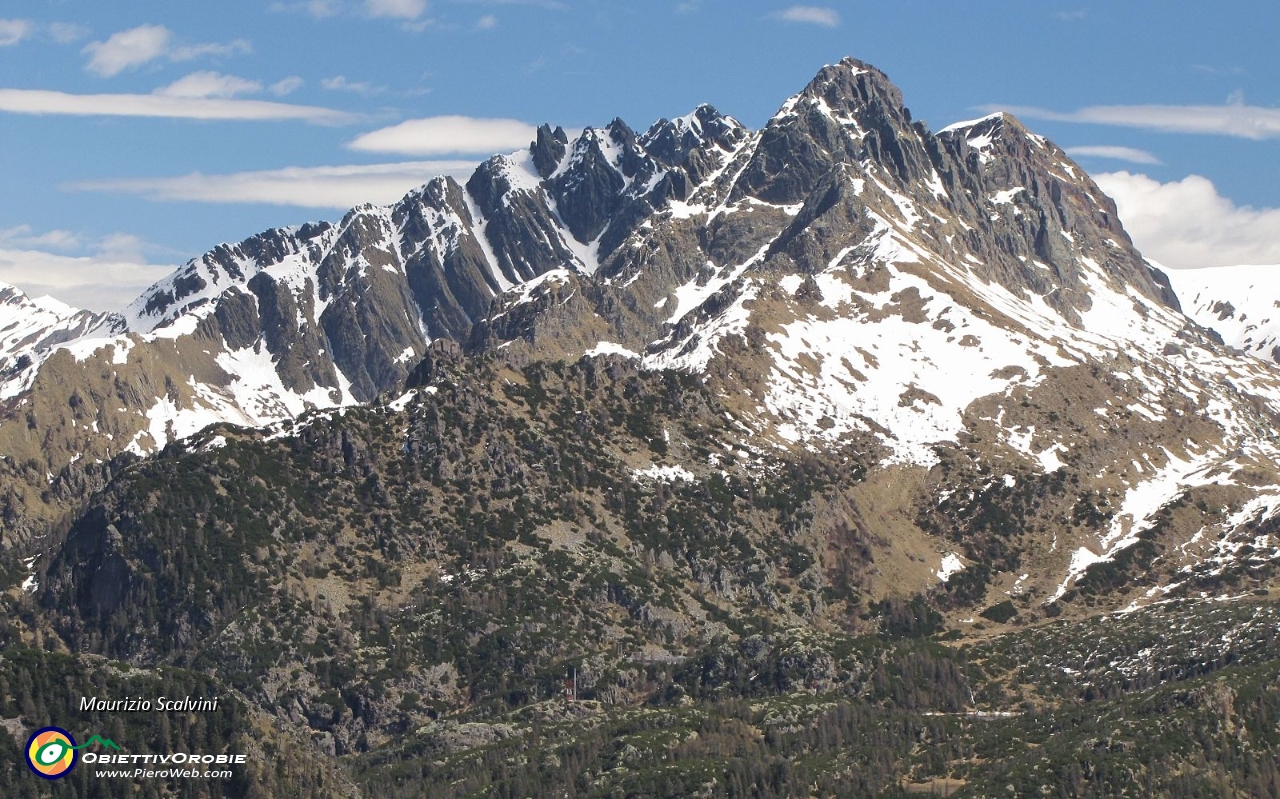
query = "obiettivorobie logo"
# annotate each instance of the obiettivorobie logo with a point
(51, 751)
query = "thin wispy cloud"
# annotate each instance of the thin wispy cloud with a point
(396, 9)
(1239, 120)
(1113, 152)
(25, 236)
(67, 32)
(92, 282)
(13, 31)
(412, 14)
(550, 5)
(446, 135)
(1187, 224)
(487, 23)
(209, 84)
(308, 187)
(318, 9)
(339, 83)
(130, 49)
(811, 15)
(1209, 69)
(1072, 16)
(115, 245)
(39, 102)
(286, 86)
(100, 274)
(188, 52)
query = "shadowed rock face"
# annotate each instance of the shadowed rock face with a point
(849, 114)
(548, 149)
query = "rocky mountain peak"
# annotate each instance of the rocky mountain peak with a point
(1001, 147)
(850, 113)
(856, 88)
(1029, 177)
(31, 326)
(548, 149)
(674, 142)
(195, 283)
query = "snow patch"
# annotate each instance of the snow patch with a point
(665, 474)
(951, 564)
(610, 348)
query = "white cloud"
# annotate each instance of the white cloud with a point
(98, 283)
(13, 31)
(309, 187)
(1236, 119)
(447, 134)
(31, 101)
(128, 49)
(132, 48)
(396, 9)
(285, 86)
(1187, 223)
(209, 84)
(812, 15)
(339, 83)
(487, 22)
(24, 236)
(105, 274)
(1131, 154)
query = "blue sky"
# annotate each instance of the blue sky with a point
(136, 135)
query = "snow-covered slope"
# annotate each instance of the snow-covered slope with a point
(30, 328)
(1240, 303)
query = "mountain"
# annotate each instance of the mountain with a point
(704, 414)
(972, 267)
(31, 328)
(327, 315)
(1237, 302)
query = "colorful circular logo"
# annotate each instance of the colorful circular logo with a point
(51, 752)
